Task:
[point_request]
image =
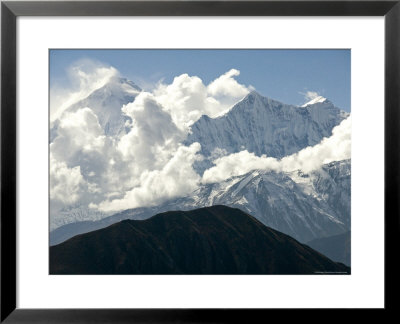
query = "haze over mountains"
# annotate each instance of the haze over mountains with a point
(305, 204)
(336, 247)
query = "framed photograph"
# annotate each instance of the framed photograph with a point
(197, 161)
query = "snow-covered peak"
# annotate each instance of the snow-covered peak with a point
(116, 87)
(106, 103)
(254, 94)
(252, 98)
(314, 101)
(264, 126)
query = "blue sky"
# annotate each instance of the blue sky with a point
(284, 75)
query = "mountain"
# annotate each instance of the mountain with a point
(106, 102)
(304, 206)
(265, 126)
(75, 214)
(333, 184)
(337, 247)
(213, 240)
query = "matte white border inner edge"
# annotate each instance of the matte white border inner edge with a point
(363, 288)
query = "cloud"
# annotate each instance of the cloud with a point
(152, 137)
(310, 95)
(79, 132)
(145, 166)
(65, 183)
(84, 76)
(158, 167)
(334, 148)
(175, 179)
(81, 143)
(226, 85)
(187, 98)
(148, 165)
(237, 164)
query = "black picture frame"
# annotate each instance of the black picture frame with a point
(10, 10)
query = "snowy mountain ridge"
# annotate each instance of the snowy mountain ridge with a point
(264, 126)
(305, 206)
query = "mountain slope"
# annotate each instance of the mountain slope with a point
(295, 203)
(337, 247)
(214, 240)
(304, 206)
(106, 102)
(265, 126)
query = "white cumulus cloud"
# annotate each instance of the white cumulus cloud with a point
(226, 85)
(65, 183)
(153, 134)
(187, 98)
(79, 132)
(175, 179)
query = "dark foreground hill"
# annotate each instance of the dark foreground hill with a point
(335, 247)
(212, 240)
